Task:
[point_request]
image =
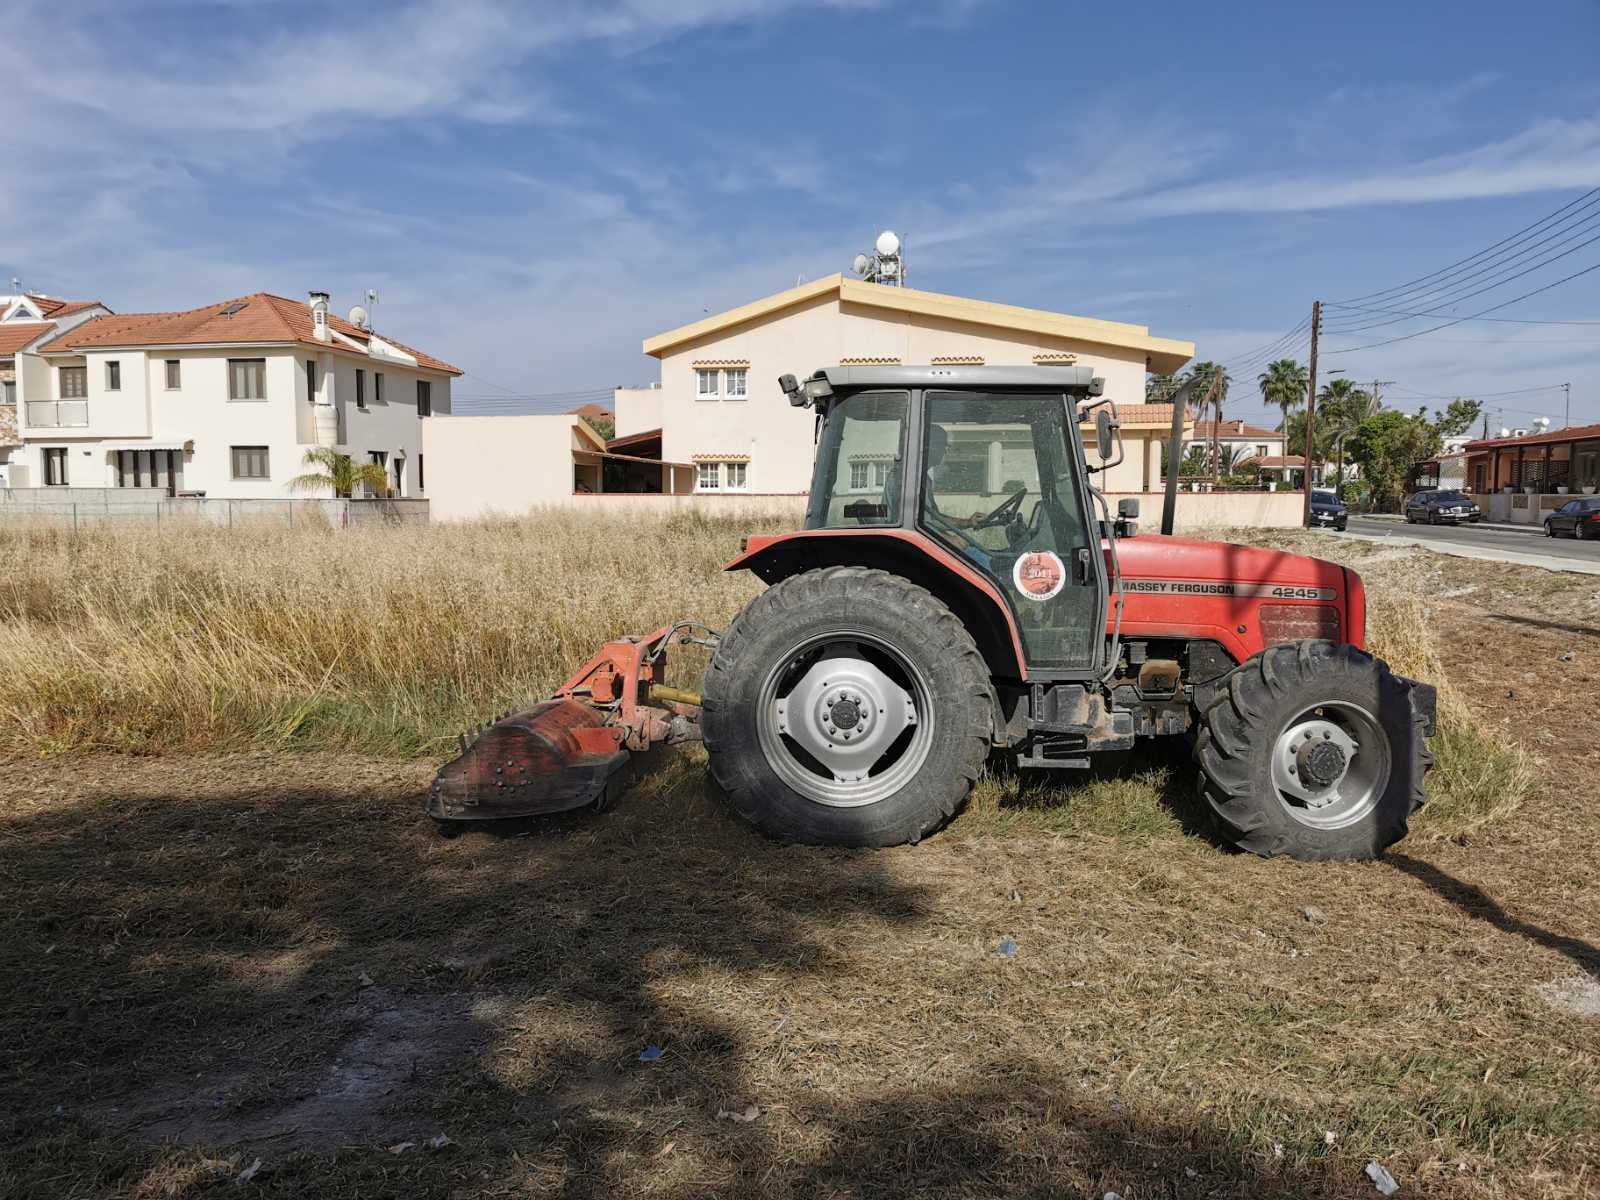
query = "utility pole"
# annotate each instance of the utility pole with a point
(1567, 421)
(1311, 411)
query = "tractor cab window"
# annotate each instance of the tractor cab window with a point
(858, 462)
(1001, 488)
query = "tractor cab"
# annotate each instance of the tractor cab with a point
(988, 463)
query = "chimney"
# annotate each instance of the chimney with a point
(319, 316)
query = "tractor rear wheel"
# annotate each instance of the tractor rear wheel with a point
(1315, 751)
(846, 706)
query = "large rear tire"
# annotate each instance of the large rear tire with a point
(1315, 751)
(846, 706)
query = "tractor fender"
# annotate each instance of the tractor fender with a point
(967, 592)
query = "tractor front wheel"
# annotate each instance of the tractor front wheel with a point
(846, 706)
(1316, 751)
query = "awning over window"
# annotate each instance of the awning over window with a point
(186, 447)
(733, 458)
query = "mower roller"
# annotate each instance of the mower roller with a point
(961, 594)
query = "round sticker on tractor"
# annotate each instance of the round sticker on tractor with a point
(1038, 575)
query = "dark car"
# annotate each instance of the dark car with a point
(1442, 508)
(1328, 511)
(1578, 518)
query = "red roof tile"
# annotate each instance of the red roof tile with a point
(52, 306)
(260, 318)
(14, 335)
(1577, 433)
(1235, 429)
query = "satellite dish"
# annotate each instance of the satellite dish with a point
(1541, 423)
(359, 317)
(860, 265)
(1504, 432)
(888, 243)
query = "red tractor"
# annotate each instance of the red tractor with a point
(961, 591)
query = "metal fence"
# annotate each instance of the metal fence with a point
(77, 508)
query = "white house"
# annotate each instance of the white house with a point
(26, 321)
(223, 400)
(719, 405)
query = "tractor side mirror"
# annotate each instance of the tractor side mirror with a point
(1105, 433)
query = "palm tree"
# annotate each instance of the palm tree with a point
(1205, 374)
(1341, 407)
(339, 472)
(1159, 388)
(1284, 384)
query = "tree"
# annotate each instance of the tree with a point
(1159, 388)
(1341, 407)
(1284, 384)
(339, 472)
(1457, 418)
(1204, 373)
(1386, 447)
(604, 426)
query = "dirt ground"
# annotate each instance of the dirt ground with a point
(213, 961)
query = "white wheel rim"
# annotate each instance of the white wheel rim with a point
(845, 719)
(1330, 765)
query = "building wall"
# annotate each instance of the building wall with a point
(488, 466)
(778, 438)
(637, 409)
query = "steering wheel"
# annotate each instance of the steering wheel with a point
(1005, 513)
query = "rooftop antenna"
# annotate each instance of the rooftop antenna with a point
(886, 264)
(372, 306)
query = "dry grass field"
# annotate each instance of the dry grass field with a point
(228, 934)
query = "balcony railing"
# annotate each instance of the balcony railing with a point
(58, 414)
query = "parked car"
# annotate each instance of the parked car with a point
(1327, 510)
(1578, 518)
(1438, 507)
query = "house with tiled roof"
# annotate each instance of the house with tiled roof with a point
(1243, 445)
(224, 400)
(29, 319)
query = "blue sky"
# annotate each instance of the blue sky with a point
(534, 188)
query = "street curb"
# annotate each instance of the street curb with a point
(1569, 565)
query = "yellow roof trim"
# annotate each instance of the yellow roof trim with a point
(1165, 355)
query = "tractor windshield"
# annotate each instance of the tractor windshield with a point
(858, 462)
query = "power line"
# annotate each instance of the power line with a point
(1438, 294)
(1494, 308)
(1472, 258)
(1416, 395)
(1497, 320)
(1455, 296)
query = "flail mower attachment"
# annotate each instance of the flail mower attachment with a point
(572, 749)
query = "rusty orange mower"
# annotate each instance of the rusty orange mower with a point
(959, 591)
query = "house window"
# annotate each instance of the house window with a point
(74, 382)
(705, 384)
(736, 383)
(421, 486)
(1261, 449)
(736, 476)
(247, 379)
(377, 386)
(8, 392)
(710, 476)
(379, 459)
(361, 388)
(424, 398)
(250, 462)
(399, 477)
(869, 474)
(113, 376)
(858, 477)
(55, 467)
(174, 374)
(311, 380)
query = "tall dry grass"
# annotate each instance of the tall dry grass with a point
(388, 640)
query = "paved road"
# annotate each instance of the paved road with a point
(1518, 545)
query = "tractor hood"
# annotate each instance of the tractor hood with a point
(1182, 587)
